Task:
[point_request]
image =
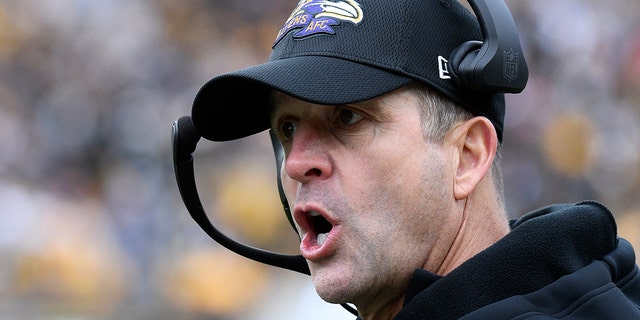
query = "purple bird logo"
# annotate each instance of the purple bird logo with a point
(313, 17)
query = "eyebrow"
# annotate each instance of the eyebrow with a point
(376, 108)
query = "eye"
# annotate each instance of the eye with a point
(287, 130)
(347, 117)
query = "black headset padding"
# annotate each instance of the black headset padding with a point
(460, 60)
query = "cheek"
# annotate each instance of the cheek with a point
(288, 187)
(409, 197)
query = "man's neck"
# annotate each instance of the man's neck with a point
(482, 225)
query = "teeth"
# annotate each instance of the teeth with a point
(322, 237)
(314, 213)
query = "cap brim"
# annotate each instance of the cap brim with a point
(235, 105)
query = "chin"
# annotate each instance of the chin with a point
(334, 296)
(334, 289)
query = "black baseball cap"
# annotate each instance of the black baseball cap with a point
(339, 52)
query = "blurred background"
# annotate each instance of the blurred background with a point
(91, 222)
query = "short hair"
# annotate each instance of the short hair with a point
(439, 114)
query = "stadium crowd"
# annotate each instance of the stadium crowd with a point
(91, 222)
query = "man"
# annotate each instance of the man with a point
(392, 173)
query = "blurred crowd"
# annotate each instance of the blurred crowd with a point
(91, 222)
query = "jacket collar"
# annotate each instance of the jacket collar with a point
(543, 246)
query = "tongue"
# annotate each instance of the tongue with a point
(321, 238)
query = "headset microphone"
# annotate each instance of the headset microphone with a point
(185, 138)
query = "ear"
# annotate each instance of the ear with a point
(476, 143)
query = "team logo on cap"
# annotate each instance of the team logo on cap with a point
(319, 16)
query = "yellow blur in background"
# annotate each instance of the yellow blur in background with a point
(91, 222)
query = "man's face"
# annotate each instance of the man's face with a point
(370, 196)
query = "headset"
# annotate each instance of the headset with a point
(494, 64)
(478, 65)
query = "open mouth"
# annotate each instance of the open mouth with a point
(320, 226)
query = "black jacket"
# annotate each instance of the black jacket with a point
(559, 262)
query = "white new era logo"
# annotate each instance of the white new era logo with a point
(443, 67)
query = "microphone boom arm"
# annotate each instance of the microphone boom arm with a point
(184, 139)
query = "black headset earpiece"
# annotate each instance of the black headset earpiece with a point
(466, 51)
(495, 64)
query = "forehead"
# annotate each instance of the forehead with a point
(279, 100)
(394, 100)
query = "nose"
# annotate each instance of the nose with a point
(308, 156)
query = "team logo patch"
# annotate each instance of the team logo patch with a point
(319, 17)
